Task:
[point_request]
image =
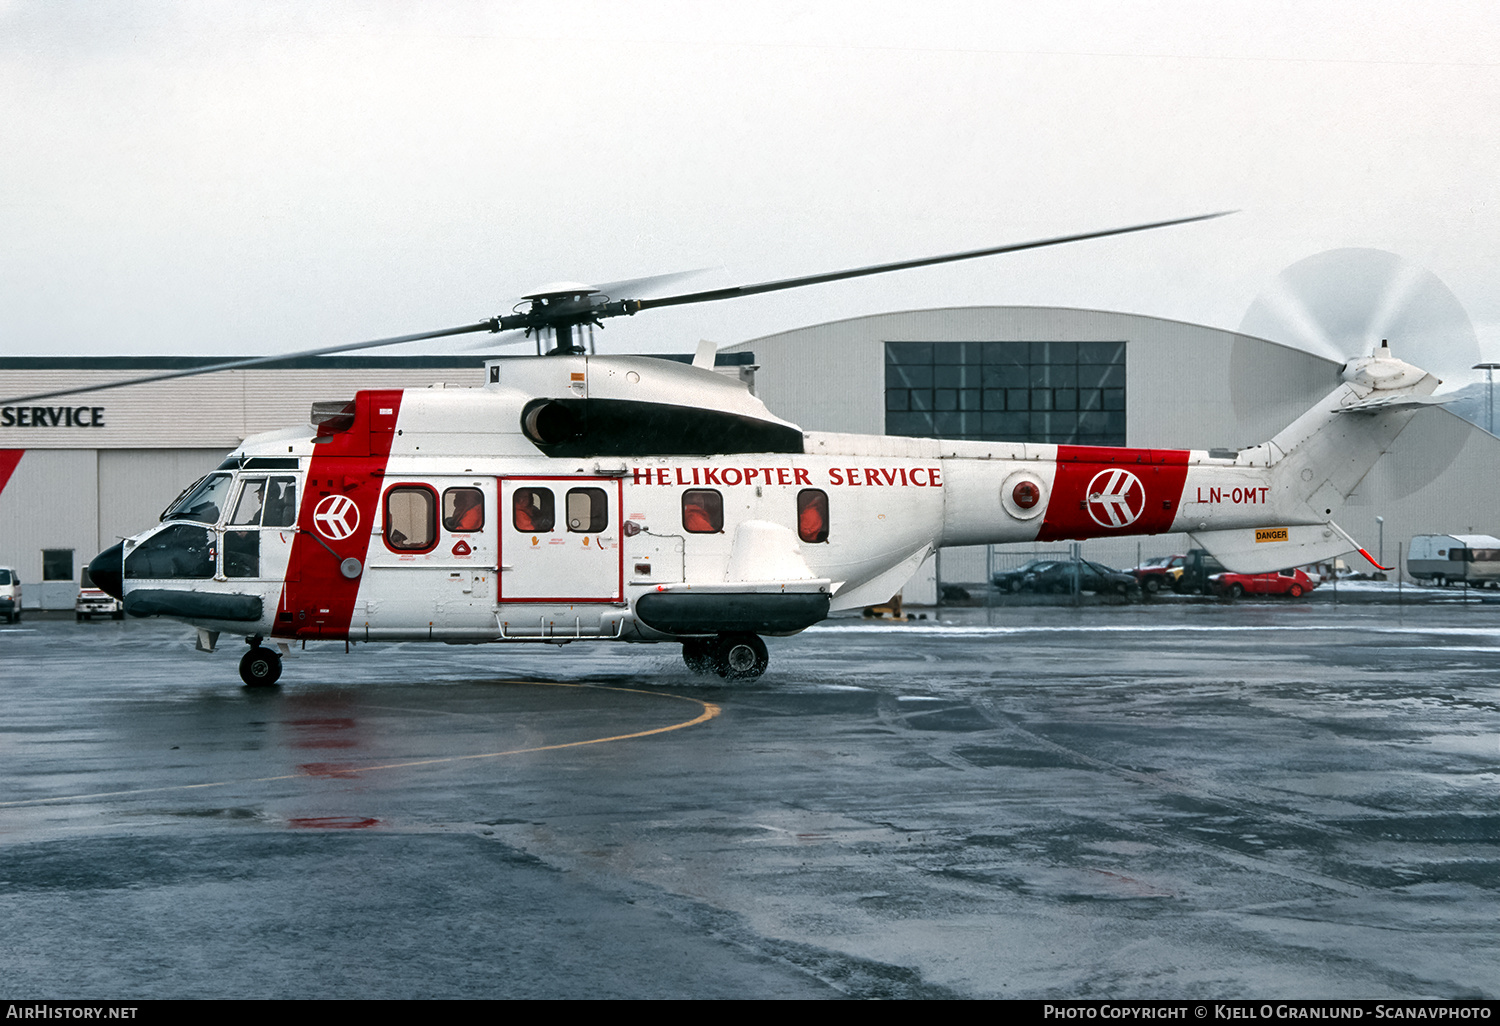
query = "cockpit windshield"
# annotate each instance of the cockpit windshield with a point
(203, 503)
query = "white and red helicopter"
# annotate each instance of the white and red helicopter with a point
(616, 498)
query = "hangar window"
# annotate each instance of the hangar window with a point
(588, 510)
(812, 515)
(57, 564)
(411, 518)
(1055, 392)
(531, 509)
(463, 509)
(702, 511)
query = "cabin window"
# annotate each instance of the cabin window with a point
(410, 518)
(532, 510)
(812, 515)
(588, 510)
(702, 511)
(463, 509)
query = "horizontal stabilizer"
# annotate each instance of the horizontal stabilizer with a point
(1260, 550)
(1391, 402)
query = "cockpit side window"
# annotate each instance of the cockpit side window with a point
(252, 500)
(281, 503)
(179, 551)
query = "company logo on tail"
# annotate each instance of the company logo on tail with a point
(1115, 498)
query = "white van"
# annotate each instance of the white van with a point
(10, 595)
(1441, 558)
(94, 601)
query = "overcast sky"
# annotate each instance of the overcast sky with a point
(248, 178)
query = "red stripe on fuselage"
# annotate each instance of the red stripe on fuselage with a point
(1101, 491)
(317, 600)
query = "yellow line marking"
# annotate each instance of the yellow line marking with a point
(710, 710)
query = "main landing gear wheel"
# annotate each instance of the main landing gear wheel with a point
(739, 656)
(698, 656)
(260, 667)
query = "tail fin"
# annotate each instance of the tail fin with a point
(1320, 458)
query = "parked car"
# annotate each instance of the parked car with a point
(1011, 580)
(1284, 582)
(1096, 577)
(92, 602)
(1155, 574)
(10, 595)
(1191, 573)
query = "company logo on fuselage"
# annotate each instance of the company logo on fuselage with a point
(1116, 498)
(336, 517)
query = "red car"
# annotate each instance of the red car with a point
(1156, 574)
(1284, 582)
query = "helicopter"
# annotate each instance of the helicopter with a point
(577, 497)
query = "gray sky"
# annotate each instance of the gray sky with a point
(247, 178)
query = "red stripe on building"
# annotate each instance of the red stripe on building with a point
(8, 460)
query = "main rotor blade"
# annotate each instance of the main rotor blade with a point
(734, 292)
(648, 283)
(258, 361)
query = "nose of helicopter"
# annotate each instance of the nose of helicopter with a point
(107, 570)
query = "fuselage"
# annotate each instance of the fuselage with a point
(626, 498)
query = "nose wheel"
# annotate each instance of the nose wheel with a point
(260, 667)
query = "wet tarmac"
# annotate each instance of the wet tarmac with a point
(1257, 800)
